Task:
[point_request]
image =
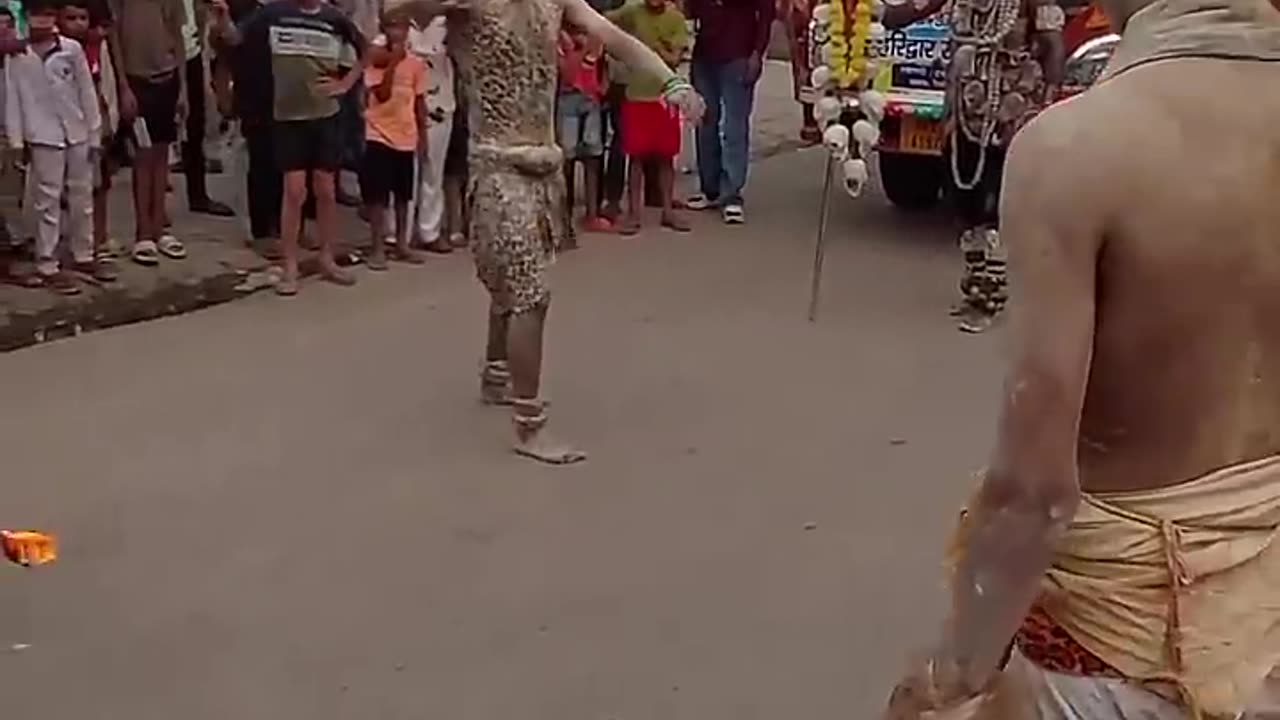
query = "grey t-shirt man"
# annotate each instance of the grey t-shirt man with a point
(305, 44)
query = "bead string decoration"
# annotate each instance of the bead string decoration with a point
(977, 33)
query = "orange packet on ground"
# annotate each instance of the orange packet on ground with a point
(28, 547)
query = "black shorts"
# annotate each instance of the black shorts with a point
(158, 105)
(309, 144)
(385, 173)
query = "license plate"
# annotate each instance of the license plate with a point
(922, 137)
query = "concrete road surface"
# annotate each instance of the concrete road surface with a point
(280, 510)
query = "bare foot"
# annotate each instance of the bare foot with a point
(287, 285)
(973, 320)
(438, 247)
(337, 275)
(377, 260)
(541, 446)
(409, 255)
(630, 225)
(675, 221)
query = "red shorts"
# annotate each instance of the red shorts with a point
(650, 128)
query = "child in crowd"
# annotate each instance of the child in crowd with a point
(651, 128)
(53, 117)
(396, 111)
(579, 119)
(88, 22)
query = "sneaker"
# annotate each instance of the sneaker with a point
(699, 202)
(733, 214)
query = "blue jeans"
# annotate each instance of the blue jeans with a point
(579, 126)
(724, 138)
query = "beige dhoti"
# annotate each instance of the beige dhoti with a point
(1177, 589)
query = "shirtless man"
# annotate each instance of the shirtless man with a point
(505, 54)
(1117, 561)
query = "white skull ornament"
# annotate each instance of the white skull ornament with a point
(872, 103)
(827, 110)
(855, 176)
(866, 135)
(836, 139)
(821, 14)
(820, 77)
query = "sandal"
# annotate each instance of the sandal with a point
(62, 283)
(145, 253)
(171, 247)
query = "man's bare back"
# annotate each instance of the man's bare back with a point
(1184, 156)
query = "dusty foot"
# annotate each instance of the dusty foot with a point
(377, 260)
(337, 275)
(409, 255)
(630, 225)
(675, 221)
(542, 447)
(287, 285)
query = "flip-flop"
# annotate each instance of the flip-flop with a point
(145, 253)
(677, 224)
(61, 283)
(171, 247)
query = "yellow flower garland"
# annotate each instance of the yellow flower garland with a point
(849, 54)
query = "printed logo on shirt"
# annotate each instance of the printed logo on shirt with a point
(306, 42)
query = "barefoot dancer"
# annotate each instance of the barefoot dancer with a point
(505, 52)
(1120, 559)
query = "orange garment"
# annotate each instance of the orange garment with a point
(394, 122)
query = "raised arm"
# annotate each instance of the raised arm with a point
(635, 55)
(1030, 491)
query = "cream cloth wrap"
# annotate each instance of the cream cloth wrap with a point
(1177, 587)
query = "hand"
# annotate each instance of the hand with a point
(332, 87)
(24, 159)
(690, 104)
(219, 10)
(755, 66)
(128, 105)
(929, 689)
(180, 108)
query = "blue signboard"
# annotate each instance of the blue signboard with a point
(919, 53)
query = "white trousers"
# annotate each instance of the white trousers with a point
(430, 205)
(54, 171)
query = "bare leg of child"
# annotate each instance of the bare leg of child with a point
(404, 251)
(377, 260)
(635, 196)
(671, 218)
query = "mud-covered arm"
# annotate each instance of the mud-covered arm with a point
(1030, 490)
(626, 48)
(911, 11)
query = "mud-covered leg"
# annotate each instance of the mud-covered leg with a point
(524, 352)
(988, 289)
(974, 253)
(495, 377)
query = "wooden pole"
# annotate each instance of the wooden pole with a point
(820, 247)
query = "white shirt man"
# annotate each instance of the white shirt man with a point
(51, 110)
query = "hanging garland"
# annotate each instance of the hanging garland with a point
(845, 79)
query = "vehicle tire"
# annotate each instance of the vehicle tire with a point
(912, 182)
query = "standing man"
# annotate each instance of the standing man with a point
(1120, 559)
(430, 44)
(194, 164)
(728, 57)
(1006, 66)
(507, 61)
(148, 44)
(315, 56)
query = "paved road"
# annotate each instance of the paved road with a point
(296, 509)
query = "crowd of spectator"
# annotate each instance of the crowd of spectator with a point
(314, 89)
